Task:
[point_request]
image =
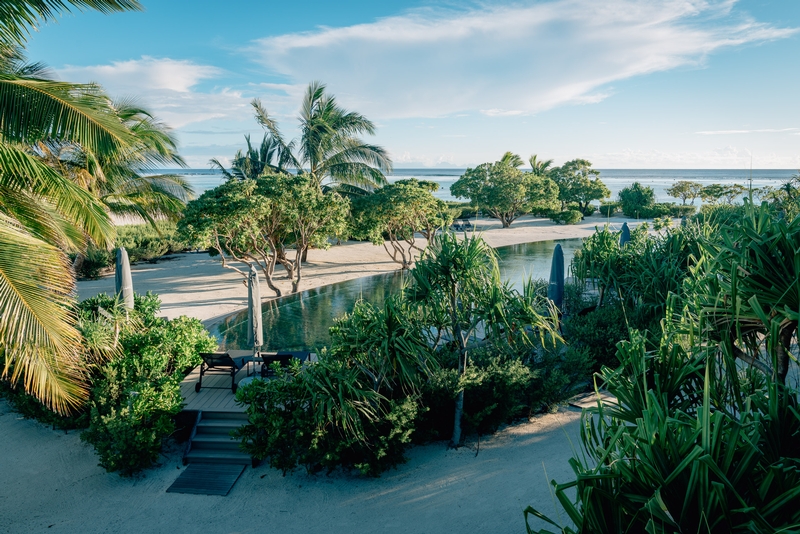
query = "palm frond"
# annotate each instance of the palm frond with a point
(41, 348)
(22, 171)
(32, 109)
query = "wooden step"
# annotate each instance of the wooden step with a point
(216, 427)
(215, 442)
(217, 457)
(239, 417)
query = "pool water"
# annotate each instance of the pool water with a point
(301, 321)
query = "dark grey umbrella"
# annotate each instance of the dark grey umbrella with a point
(683, 220)
(123, 279)
(625, 236)
(255, 330)
(555, 290)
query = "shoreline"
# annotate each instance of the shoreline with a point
(196, 285)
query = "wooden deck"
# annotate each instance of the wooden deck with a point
(211, 399)
(208, 399)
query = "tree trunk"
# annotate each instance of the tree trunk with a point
(268, 277)
(455, 440)
(782, 352)
(298, 267)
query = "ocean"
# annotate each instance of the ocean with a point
(615, 179)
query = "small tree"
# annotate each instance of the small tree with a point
(395, 213)
(685, 190)
(634, 198)
(455, 275)
(499, 188)
(578, 182)
(715, 192)
(258, 222)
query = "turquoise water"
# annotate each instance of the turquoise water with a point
(615, 179)
(301, 321)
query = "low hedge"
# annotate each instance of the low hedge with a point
(607, 209)
(566, 217)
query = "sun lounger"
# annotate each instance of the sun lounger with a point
(221, 363)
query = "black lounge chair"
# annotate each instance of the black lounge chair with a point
(221, 363)
(268, 358)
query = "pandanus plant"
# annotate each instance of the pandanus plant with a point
(749, 289)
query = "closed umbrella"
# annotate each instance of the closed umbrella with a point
(625, 236)
(555, 290)
(123, 279)
(255, 330)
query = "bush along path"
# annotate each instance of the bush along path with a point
(135, 363)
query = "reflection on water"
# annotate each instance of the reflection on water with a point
(301, 321)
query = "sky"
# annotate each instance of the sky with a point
(626, 84)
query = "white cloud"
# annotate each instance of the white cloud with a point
(167, 87)
(762, 130)
(724, 157)
(506, 60)
(147, 72)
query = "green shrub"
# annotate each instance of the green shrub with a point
(288, 428)
(566, 217)
(136, 394)
(585, 211)
(598, 332)
(655, 210)
(607, 209)
(635, 198)
(678, 210)
(461, 210)
(143, 243)
(95, 262)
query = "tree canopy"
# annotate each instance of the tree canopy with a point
(260, 221)
(399, 211)
(505, 191)
(577, 182)
(685, 190)
(329, 147)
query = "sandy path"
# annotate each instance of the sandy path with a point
(197, 285)
(50, 482)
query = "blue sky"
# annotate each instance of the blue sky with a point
(623, 83)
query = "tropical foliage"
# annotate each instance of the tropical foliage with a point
(505, 191)
(329, 148)
(457, 351)
(45, 214)
(268, 221)
(399, 211)
(705, 432)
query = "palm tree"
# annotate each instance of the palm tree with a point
(511, 159)
(270, 156)
(330, 149)
(540, 167)
(122, 180)
(42, 213)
